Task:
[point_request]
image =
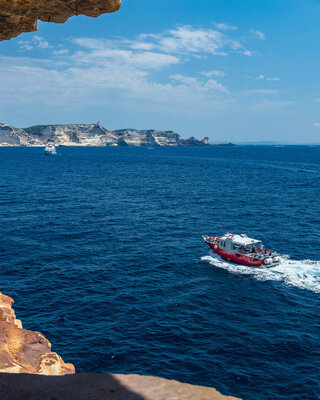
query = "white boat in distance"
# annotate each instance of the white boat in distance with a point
(50, 149)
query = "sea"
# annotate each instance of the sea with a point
(101, 249)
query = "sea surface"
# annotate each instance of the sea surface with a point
(101, 250)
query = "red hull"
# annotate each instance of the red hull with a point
(236, 258)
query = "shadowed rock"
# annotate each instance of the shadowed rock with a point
(101, 387)
(23, 351)
(18, 16)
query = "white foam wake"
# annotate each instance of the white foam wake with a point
(303, 274)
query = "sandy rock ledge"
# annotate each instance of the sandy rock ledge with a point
(23, 351)
(18, 16)
(101, 387)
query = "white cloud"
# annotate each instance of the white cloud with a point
(189, 40)
(210, 85)
(271, 79)
(143, 46)
(25, 45)
(213, 73)
(36, 42)
(40, 42)
(257, 34)
(99, 51)
(155, 51)
(248, 52)
(60, 52)
(76, 84)
(226, 27)
(317, 124)
(96, 72)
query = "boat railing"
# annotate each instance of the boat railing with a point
(256, 255)
(211, 239)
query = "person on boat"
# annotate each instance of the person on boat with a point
(261, 247)
(253, 249)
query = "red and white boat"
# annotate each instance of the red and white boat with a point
(242, 250)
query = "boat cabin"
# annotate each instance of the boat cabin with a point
(235, 243)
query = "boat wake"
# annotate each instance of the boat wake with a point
(303, 274)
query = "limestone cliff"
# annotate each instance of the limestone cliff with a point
(18, 16)
(11, 136)
(74, 135)
(134, 137)
(91, 135)
(23, 351)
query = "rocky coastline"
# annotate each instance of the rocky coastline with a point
(24, 351)
(94, 135)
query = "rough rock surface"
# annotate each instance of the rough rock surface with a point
(23, 351)
(101, 387)
(73, 135)
(134, 137)
(91, 135)
(11, 136)
(18, 16)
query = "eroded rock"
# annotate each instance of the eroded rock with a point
(11, 136)
(24, 351)
(18, 16)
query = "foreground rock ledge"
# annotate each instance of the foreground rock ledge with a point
(101, 387)
(18, 16)
(23, 351)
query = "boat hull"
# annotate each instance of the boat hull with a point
(236, 258)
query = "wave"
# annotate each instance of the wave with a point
(303, 274)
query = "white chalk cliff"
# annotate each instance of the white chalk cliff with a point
(91, 135)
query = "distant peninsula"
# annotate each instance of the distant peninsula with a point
(91, 135)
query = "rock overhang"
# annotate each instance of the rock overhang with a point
(19, 16)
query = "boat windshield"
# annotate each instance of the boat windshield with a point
(257, 244)
(248, 248)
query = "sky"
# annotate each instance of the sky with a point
(230, 70)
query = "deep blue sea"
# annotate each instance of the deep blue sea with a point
(101, 249)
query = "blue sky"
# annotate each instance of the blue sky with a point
(231, 70)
